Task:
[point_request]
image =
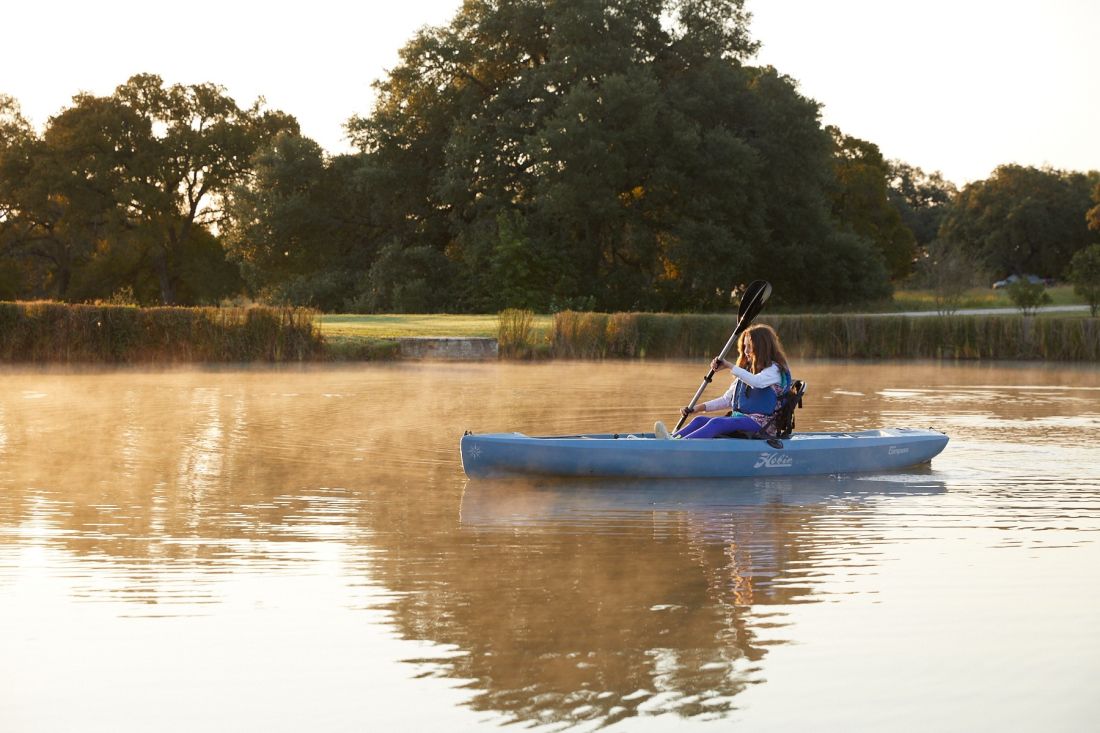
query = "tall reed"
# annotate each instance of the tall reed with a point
(46, 332)
(663, 335)
(656, 335)
(515, 333)
(940, 337)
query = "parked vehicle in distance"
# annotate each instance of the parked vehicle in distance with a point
(1033, 279)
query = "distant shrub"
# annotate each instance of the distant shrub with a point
(1084, 273)
(1028, 296)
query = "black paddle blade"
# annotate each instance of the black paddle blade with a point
(752, 302)
(754, 296)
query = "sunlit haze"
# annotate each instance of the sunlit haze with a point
(959, 87)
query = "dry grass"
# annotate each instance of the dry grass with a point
(47, 332)
(623, 335)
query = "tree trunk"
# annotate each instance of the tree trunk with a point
(164, 276)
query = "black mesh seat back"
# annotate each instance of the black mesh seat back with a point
(788, 403)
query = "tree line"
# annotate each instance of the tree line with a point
(592, 154)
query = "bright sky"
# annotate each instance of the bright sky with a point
(959, 86)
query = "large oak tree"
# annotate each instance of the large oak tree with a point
(605, 153)
(127, 189)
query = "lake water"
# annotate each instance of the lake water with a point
(293, 550)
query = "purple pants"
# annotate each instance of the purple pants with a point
(712, 427)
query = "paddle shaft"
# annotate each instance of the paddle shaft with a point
(741, 326)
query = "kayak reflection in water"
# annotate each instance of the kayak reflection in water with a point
(761, 377)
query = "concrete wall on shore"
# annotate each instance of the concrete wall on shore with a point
(450, 348)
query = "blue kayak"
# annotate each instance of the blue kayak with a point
(641, 455)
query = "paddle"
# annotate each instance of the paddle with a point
(752, 302)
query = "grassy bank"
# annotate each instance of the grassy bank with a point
(59, 333)
(103, 334)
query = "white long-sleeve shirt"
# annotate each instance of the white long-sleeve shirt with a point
(764, 378)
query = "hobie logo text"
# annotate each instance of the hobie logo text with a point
(773, 460)
(894, 451)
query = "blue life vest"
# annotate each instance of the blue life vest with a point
(763, 400)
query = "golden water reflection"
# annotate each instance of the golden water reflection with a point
(194, 495)
(650, 597)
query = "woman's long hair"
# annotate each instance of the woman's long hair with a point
(766, 349)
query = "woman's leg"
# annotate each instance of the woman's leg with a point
(716, 426)
(692, 426)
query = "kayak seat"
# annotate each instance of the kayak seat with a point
(783, 417)
(788, 403)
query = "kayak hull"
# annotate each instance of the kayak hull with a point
(641, 455)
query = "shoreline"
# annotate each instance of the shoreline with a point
(55, 333)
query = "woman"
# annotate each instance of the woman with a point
(761, 377)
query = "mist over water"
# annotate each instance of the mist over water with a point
(286, 550)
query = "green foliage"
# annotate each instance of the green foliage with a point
(511, 263)
(404, 280)
(294, 228)
(1084, 273)
(53, 215)
(1028, 296)
(1022, 220)
(205, 276)
(514, 269)
(862, 202)
(275, 220)
(332, 290)
(126, 190)
(922, 199)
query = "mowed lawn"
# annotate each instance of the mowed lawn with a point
(906, 300)
(388, 326)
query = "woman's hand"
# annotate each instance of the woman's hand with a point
(719, 364)
(687, 410)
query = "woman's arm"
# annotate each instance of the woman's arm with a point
(764, 378)
(724, 402)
